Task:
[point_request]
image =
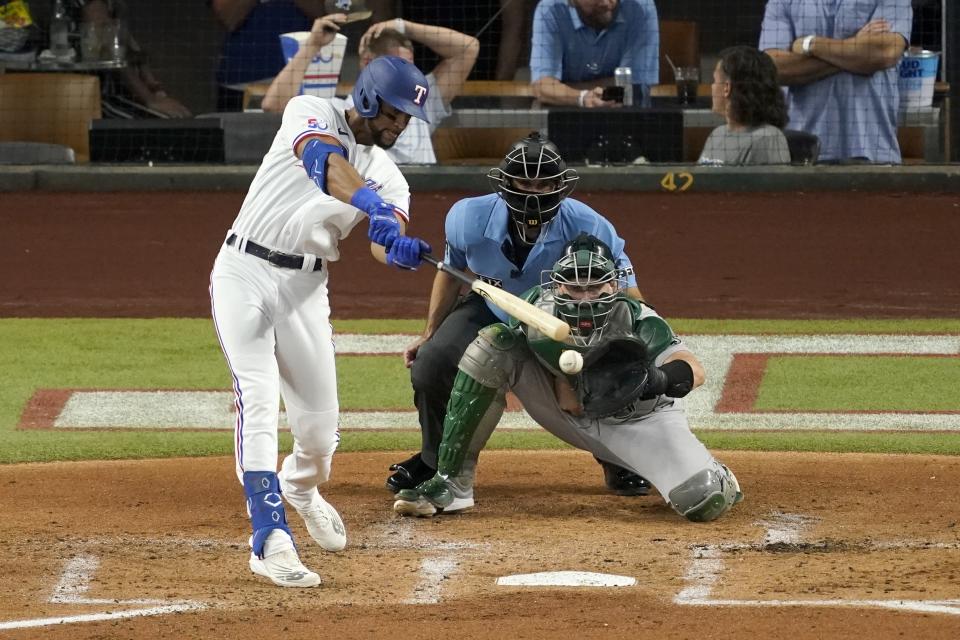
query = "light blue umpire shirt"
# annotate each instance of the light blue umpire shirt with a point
(855, 116)
(568, 50)
(476, 231)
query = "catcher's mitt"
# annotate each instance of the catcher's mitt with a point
(614, 377)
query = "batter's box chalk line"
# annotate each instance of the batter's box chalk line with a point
(442, 559)
(784, 530)
(72, 587)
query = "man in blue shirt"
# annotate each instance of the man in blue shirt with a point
(508, 238)
(251, 52)
(578, 43)
(839, 60)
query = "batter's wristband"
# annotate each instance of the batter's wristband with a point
(365, 199)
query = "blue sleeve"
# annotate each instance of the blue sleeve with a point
(455, 253)
(777, 30)
(899, 13)
(643, 56)
(546, 49)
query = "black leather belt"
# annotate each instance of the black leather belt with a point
(278, 258)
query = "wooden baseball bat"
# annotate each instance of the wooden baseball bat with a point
(550, 326)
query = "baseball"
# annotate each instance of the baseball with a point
(571, 361)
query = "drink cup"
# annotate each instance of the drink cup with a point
(114, 48)
(688, 81)
(918, 76)
(91, 41)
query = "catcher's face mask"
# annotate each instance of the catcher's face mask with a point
(532, 180)
(585, 285)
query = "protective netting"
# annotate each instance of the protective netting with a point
(611, 82)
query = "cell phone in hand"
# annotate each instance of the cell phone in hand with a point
(614, 94)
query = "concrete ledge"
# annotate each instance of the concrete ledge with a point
(17, 178)
(676, 178)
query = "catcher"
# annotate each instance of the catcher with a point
(624, 405)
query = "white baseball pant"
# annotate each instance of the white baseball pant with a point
(274, 328)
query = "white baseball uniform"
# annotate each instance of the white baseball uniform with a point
(272, 321)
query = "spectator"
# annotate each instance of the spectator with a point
(457, 53)
(130, 92)
(135, 84)
(498, 24)
(746, 94)
(838, 60)
(578, 43)
(251, 51)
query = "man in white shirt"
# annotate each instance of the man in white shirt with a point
(325, 172)
(457, 52)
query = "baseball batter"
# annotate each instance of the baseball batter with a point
(507, 238)
(325, 172)
(625, 405)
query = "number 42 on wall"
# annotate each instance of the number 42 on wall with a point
(677, 181)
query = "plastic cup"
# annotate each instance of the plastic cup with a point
(918, 75)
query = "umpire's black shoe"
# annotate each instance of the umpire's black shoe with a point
(409, 473)
(623, 482)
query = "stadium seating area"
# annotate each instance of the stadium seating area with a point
(58, 102)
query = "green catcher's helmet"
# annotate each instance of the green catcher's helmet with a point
(585, 284)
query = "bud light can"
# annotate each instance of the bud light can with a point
(623, 77)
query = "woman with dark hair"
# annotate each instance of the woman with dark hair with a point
(745, 92)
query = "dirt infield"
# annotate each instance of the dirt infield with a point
(793, 255)
(861, 528)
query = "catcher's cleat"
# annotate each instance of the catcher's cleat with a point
(409, 473)
(462, 495)
(624, 482)
(413, 505)
(439, 494)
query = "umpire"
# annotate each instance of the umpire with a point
(507, 238)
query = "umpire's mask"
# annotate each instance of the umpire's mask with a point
(585, 284)
(532, 180)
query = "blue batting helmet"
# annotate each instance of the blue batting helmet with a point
(395, 81)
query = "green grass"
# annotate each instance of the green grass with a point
(694, 326)
(860, 383)
(373, 383)
(183, 354)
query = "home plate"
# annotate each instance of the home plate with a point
(566, 579)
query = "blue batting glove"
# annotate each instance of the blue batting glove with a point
(384, 226)
(406, 251)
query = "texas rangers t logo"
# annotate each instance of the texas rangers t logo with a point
(421, 92)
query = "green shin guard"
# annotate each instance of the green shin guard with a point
(468, 403)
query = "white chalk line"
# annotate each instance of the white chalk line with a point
(75, 582)
(707, 564)
(442, 559)
(97, 617)
(433, 572)
(214, 409)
